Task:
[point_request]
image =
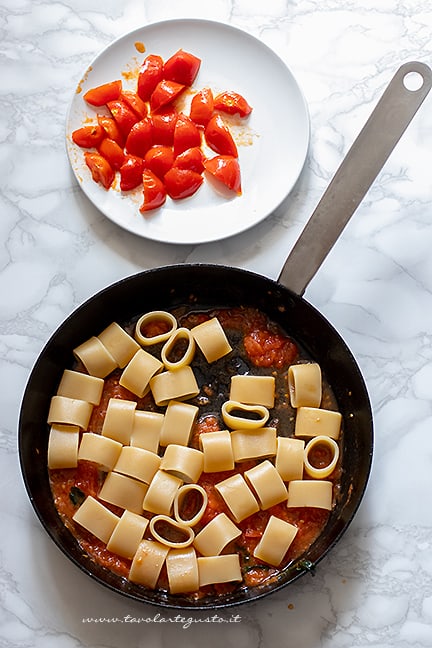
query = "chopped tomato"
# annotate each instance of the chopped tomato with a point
(100, 169)
(267, 349)
(159, 159)
(163, 127)
(149, 76)
(219, 138)
(140, 138)
(131, 172)
(181, 183)
(112, 152)
(182, 67)
(124, 116)
(226, 169)
(202, 106)
(111, 129)
(88, 136)
(192, 159)
(104, 93)
(232, 103)
(165, 93)
(154, 191)
(186, 134)
(134, 102)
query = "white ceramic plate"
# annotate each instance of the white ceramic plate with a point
(272, 142)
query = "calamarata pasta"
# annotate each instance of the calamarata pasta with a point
(194, 452)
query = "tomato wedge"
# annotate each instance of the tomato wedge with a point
(159, 159)
(104, 93)
(182, 67)
(186, 134)
(140, 138)
(192, 159)
(232, 103)
(111, 129)
(219, 138)
(134, 102)
(164, 93)
(100, 169)
(202, 106)
(226, 169)
(88, 136)
(124, 116)
(154, 191)
(182, 183)
(111, 151)
(131, 172)
(150, 74)
(163, 127)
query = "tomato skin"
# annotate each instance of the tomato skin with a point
(219, 138)
(111, 151)
(140, 138)
(182, 67)
(131, 172)
(124, 116)
(111, 129)
(163, 127)
(202, 106)
(135, 103)
(88, 136)
(165, 93)
(150, 74)
(186, 134)
(182, 183)
(226, 169)
(192, 158)
(154, 192)
(100, 169)
(159, 159)
(104, 93)
(232, 103)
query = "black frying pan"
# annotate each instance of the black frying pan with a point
(216, 286)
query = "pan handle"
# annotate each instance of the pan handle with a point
(358, 170)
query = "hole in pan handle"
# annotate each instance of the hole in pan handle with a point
(366, 157)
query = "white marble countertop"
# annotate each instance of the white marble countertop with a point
(375, 586)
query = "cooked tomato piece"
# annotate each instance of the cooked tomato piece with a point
(182, 67)
(140, 138)
(181, 183)
(186, 134)
(131, 172)
(88, 136)
(124, 116)
(232, 103)
(202, 106)
(100, 95)
(150, 74)
(154, 191)
(111, 129)
(100, 169)
(112, 152)
(226, 169)
(159, 159)
(219, 138)
(192, 159)
(268, 349)
(135, 103)
(165, 93)
(163, 127)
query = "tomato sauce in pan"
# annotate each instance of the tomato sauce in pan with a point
(259, 347)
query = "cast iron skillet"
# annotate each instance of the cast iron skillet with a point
(215, 286)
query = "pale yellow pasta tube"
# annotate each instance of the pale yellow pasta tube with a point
(247, 417)
(253, 390)
(325, 471)
(219, 569)
(119, 420)
(179, 500)
(217, 451)
(238, 497)
(120, 344)
(99, 449)
(310, 492)
(267, 484)
(123, 491)
(75, 384)
(216, 535)
(95, 357)
(63, 443)
(164, 529)
(153, 317)
(305, 384)
(275, 541)
(148, 562)
(289, 458)
(138, 372)
(183, 462)
(182, 570)
(127, 534)
(178, 423)
(96, 518)
(69, 411)
(188, 354)
(138, 463)
(174, 385)
(146, 430)
(253, 444)
(160, 496)
(312, 421)
(211, 339)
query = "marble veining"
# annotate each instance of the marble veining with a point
(375, 587)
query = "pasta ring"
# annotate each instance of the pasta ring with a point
(154, 316)
(180, 495)
(186, 359)
(321, 473)
(239, 422)
(179, 527)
